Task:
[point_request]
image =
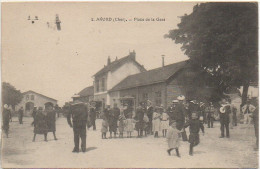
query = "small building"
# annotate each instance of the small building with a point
(33, 99)
(113, 73)
(86, 95)
(161, 85)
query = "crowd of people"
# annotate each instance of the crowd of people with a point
(170, 123)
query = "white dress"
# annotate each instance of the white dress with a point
(164, 121)
(156, 121)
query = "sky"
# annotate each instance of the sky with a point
(59, 64)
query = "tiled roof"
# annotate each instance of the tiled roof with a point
(119, 62)
(30, 91)
(149, 77)
(88, 91)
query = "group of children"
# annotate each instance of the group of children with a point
(124, 124)
(160, 122)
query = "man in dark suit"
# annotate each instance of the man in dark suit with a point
(139, 117)
(79, 114)
(224, 112)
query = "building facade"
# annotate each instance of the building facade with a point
(161, 85)
(33, 99)
(112, 74)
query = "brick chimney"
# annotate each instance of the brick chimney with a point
(132, 54)
(108, 60)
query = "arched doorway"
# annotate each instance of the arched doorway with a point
(29, 108)
(48, 104)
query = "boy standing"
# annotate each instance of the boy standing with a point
(194, 125)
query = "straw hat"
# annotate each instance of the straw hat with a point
(181, 98)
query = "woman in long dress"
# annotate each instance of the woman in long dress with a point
(40, 126)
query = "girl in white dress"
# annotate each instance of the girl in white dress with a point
(164, 123)
(156, 122)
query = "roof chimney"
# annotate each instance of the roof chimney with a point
(162, 60)
(132, 54)
(108, 60)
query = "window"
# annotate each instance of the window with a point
(27, 97)
(103, 84)
(158, 98)
(97, 85)
(32, 97)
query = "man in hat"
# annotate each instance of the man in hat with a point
(20, 115)
(149, 111)
(171, 111)
(93, 114)
(6, 119)
(79, 114)
(180, 116)
(139, 117)
(224, 112)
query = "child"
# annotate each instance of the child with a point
(156, 122)
(173, 139)
(104, 128)
(164, 123)
(129, 125)
(195, 126)
(121, 125)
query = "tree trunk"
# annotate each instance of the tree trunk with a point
(245, 91)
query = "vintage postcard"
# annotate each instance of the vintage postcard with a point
(129, 85)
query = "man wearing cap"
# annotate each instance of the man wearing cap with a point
(79, 114)
(171, 111)
(6, 117)
(180, 116)
(149, 110)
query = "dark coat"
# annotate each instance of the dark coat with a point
(171, 111)
(194, 126)
(139, 117)
(6, 117)
(20, 112)
(40, 123)
(113, 118)
(51, 120)
(224, 117)
(180, 116)
(150, 113)
(92, 114)
(79, 115)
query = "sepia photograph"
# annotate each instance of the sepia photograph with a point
(163, 84)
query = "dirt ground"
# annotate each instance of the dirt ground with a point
(19, 151)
